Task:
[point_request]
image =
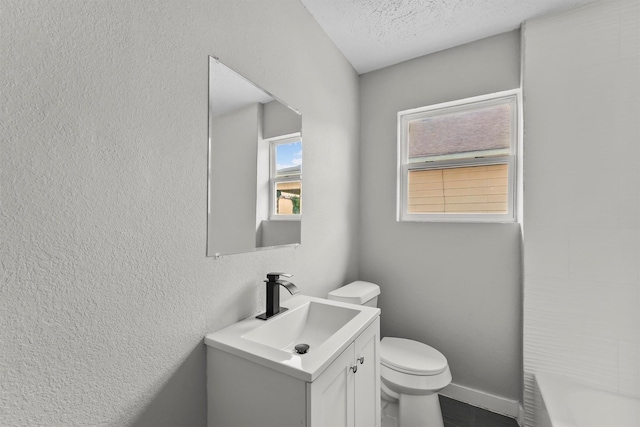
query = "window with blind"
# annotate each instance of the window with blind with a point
(457, 160)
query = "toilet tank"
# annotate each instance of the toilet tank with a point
(358, 292)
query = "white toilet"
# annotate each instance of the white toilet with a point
(412, 373)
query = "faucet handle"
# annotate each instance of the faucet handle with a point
(272, 277)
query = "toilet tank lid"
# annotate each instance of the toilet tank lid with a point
(357, 292)
(411, 357)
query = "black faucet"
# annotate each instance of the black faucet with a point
(273, 294)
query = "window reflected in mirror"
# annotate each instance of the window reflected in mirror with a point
(286, 177)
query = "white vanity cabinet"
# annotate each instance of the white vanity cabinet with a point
(367, 384)
(347, 393)
(242, 393)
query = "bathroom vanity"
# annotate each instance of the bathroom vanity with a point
(255, 377)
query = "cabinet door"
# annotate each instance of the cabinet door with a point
(331, 394)
(367, 377)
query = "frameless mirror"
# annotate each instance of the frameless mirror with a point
(255, 166)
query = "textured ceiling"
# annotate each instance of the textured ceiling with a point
(373, 34)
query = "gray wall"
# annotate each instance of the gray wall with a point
(234, 147)
(582, 199)
(106, 292)
(456, 287)
(278, 120)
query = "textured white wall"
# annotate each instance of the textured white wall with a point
(582, 197)
(456, 287)
(106, 293)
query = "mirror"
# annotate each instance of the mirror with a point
(255, 167)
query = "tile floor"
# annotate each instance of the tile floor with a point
(458, 414)
(454, 414)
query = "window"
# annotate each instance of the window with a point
(457, 160)
(286, 177)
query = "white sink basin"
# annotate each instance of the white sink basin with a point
(327, 327)
(311, 323)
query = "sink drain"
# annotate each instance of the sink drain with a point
(302, 348)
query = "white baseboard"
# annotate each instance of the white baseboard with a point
(497, 404)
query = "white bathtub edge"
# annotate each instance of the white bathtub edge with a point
(563, 402)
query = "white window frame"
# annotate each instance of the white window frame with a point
(274, 180)
(455, 161)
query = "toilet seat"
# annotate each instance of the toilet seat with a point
(411, 357)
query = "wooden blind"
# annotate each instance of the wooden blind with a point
(473, 189)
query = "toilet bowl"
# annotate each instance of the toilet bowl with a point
(411, 372)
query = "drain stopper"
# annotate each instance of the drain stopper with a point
(302, 348)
